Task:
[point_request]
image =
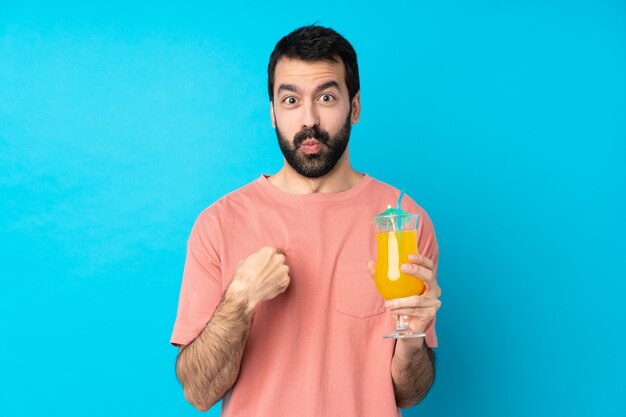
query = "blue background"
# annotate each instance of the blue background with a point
(120, 122)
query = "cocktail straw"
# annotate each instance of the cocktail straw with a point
(391, 218)
(398, 214)
(400, 199)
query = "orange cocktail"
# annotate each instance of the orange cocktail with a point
(394, 248)
(396, 235)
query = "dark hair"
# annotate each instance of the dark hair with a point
(316, 43)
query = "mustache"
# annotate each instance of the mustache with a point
(310, 133)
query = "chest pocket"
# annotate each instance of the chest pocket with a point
(355, 291)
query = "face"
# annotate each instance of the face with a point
(312, 114)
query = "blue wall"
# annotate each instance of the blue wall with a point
(119, 124)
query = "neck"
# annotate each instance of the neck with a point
(341, 178)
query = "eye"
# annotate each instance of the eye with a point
(327, 98)
(290, 100)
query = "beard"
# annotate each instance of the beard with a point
(321, 163)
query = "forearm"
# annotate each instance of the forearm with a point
(209, 366)
(412, 371)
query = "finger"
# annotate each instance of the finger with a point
(280, 258)
(422, 311)
(418, 271)
(414, 301)
(422, 260)
(268, 249)
(422, 321)
(371, 266)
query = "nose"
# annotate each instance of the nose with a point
(310, 117)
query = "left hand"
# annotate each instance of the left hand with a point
(419, 309)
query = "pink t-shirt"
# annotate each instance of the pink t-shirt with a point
(317, 349)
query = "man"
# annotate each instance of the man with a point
(278, 312)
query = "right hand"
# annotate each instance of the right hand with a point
(261, 276)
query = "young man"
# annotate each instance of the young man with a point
(278, 312)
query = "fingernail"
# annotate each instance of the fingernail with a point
(405, 267)
(413, 257)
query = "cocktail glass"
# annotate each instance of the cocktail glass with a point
(396, 234)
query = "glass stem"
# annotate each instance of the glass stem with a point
(402, 323)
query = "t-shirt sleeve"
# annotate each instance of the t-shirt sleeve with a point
(201, 289)
(427, 246)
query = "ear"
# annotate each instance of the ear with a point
(356, 108)
(272, 116)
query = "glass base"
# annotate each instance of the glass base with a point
(403, 331)
(403, 334)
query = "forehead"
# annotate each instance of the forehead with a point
(303, 73)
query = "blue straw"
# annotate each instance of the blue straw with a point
(400, 199)
(398, 221)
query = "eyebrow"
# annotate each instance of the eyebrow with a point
(327, 85)
(319, 88)
(288, 87)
